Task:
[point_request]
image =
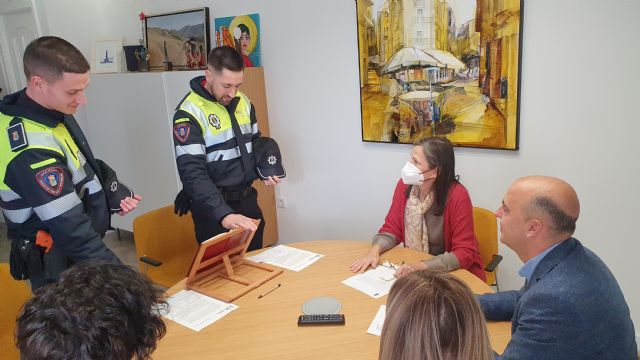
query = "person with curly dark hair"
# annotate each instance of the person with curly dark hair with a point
(95, 311)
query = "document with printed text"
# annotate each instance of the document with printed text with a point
(287, 257)
(374, 282)
(376, 325)
(196, 311)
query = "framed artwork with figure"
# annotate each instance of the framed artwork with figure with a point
(179, 38)
(242, 33)
(438, 68)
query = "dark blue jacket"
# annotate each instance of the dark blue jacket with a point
(572, 308)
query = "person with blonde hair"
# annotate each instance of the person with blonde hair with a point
(435, 316)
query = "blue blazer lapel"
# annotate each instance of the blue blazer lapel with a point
(552, 259)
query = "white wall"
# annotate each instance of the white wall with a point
(579, 116)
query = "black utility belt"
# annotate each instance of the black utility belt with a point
(236, 193)
(30, 261)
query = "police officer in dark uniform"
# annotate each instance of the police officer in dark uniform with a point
(214, 130)
(52, 189)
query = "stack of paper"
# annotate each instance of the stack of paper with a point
(374, 282)
(287, 257)
(376, 325)
(196, 311)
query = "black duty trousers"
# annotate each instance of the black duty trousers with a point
(247, 206)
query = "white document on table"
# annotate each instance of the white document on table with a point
(374, 282)
(287, 257)
(376, 325)
(196, 311)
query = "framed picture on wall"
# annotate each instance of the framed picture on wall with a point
(440, 68)
(181, 38)
(241, 32)
(107, 56)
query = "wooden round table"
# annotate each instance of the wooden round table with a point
(266, 328)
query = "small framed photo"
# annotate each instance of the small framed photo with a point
(179, 38)
(107, 56)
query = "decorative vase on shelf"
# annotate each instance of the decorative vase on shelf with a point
(143, 59)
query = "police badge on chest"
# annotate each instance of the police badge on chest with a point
(214, 121)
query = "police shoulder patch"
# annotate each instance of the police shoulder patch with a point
(51, 180)
(17, 137)
(181, 131)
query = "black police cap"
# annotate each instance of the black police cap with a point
(268, 158)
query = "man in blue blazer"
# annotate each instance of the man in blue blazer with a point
(571, 306)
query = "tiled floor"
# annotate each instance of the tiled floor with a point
(124, 247)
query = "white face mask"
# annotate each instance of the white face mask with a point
(411, 175)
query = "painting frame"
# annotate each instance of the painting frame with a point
(106, 56)
(241, 32)
(440, 79)
(188, 34)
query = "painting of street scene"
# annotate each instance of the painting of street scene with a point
(446, 68)
(180, 38)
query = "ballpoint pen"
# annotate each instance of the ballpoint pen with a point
(269, 292)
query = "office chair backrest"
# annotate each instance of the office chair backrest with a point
(14, 295)
(168, 238)
(485, 227)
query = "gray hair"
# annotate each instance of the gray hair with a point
(561, 222)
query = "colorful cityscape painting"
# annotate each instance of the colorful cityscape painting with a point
(446, 68)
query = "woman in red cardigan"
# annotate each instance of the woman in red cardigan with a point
(431, 212)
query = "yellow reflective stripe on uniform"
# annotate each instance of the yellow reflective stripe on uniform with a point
(18, 216)
(220, 155)
(197, 114)
(246, 128)
(68, 145)
(194, 149)
(181, 120)
(43, 140)
(38, 136)
(8, 195)
(77, 175)
(219, 138)
(247, 102)
(42, 163)
(93, 186)
(203, 110)
(57, 207)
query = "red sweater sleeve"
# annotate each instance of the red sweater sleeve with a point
(459, 235)
(394, 221)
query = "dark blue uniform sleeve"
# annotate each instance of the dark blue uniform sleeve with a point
(192, 167)
(49, 190)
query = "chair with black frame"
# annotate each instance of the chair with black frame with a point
(167, 242)
(485, 227)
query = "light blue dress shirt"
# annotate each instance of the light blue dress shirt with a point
(527, 269)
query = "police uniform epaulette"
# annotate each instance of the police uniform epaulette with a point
(17, 136)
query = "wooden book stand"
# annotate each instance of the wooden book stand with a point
(216, 269)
